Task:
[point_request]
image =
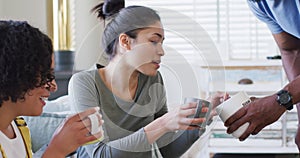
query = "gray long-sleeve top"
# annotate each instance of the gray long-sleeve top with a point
(124, 121)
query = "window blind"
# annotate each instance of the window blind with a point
(234, 30)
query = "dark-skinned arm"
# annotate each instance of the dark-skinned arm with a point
(264, 111)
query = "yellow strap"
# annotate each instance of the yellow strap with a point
(24, 130)
(2, 152)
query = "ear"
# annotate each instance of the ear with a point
(124, 41)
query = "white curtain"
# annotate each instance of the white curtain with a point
(234, 30)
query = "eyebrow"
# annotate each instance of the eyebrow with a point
(159, 35)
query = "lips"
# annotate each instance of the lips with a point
(43, 100)
(156, 63)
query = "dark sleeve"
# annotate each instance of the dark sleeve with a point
(181, 142)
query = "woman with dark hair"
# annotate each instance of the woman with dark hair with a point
(27, 77)
(130, 90)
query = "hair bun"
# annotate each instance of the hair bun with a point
(111, 7)
(108, 8)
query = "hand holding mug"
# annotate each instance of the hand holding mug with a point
(202, 111)
(179, 118)
(232, 105)
(73, 132)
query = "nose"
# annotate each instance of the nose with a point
(51, 86)
(160, 50)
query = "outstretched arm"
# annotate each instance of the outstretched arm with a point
(264, 111)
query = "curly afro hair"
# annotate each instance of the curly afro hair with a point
(25, 58)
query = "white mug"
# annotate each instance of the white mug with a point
(95, 127)
(95, 124)
(232, 105)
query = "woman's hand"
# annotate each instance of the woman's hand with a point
(215, 101)
(178, 118)
(72, 133)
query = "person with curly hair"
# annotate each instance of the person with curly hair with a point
(27, 77)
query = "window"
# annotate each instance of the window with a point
(230, 25)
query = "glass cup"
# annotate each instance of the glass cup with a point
(199, 114)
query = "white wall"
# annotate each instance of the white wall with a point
(88, 34)
(33, 11)
(1, 9)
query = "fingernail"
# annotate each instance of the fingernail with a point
(97, 108)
